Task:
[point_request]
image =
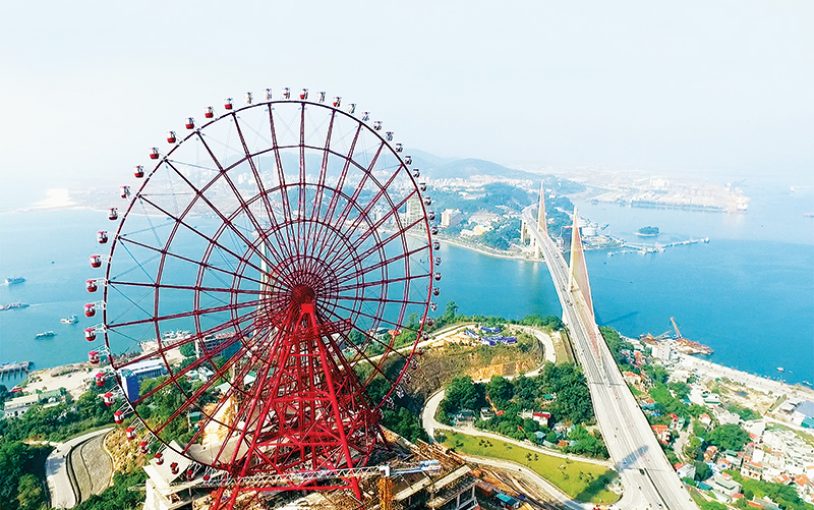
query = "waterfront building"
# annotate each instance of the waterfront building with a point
(450, 218)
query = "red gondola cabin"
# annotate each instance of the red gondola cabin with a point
(154, 153)
(108, 399)
(101, 236)
(93, 358)
(124, 191)
(95, 261)
(171, 138)
(138, 172)
(90, 310)
(100, 379)
(113, 214)
(208, 114)
(91, 285)
(191, 122)
(159, 458)
(90, 334)
(130, 433)
(228, 104)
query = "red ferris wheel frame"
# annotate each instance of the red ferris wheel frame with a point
(306, 407)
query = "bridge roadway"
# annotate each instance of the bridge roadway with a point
(648, 479)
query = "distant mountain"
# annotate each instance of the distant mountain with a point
(438, 168)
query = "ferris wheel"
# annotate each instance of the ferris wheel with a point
(265, 290)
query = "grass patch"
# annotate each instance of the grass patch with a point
(807, 438)
(579, 480)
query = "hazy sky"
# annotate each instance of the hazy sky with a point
(88, 87)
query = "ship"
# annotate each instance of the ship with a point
(69, 320)
(13, 306)
(45, 334)
(14, 280)
(648, 232)
(678, 341)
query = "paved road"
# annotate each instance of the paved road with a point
(541, 482)
(56, 470)
(647, 476)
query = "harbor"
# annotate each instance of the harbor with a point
(14, 370)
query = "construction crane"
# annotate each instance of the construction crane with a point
(216, 478)
(675, 328)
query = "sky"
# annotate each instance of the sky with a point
(696, 87)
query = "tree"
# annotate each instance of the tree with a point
(30, 495)
(729, 437)
(702, 471)
(500, 390)
(188, 350)
(463, 393)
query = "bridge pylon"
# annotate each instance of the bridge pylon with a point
(578, 270)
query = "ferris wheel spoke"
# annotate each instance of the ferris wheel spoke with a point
(165, 347)
(360, 353)
(382, 264)
(213, 241)
(228, 290)
(225, 398)
(259, 182)
(375, 318)
(205, 266)
(383, 282)
(245, 207)
(192, 399)
(193, 366)
(193, 313)
(227, 222)
(393, 211)
(324, 245)
(279, 164)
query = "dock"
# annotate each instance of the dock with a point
(12, 370)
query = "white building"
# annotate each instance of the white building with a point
(663, 352)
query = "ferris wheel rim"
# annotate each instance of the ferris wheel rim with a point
(247, 157)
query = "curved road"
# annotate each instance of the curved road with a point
(56, 470)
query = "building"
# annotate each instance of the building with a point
(135, 373)
(450, 218)
(541, 417)
(632, 378)
(663, 352)
(804, 414)
(18, 406)
(724, 487)
(662, 433)
(415, 210)
(686, 470)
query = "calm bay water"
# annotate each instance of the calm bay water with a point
(749, 293)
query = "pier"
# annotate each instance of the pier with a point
(11, 370)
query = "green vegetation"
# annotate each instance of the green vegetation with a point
(728, 437)
(404, 420)
(784, 495)
(667, 402)
(23, 477)
(568, 401)
(451, 316)
(744, 413)
(117, 496)
(580, 480)
(59, 421)
(705, 504)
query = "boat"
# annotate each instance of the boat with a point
(69, 320)
(781, 369)
(13, 306)
(648, 232)
(14, 280)
(45, 334)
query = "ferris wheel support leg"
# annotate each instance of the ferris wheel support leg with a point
(308, 309)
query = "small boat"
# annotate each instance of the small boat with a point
(45, 334)
(14, 280)
(781, 369)
(13, 306)
(69, 320)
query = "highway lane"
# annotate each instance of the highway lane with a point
(647, 476)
